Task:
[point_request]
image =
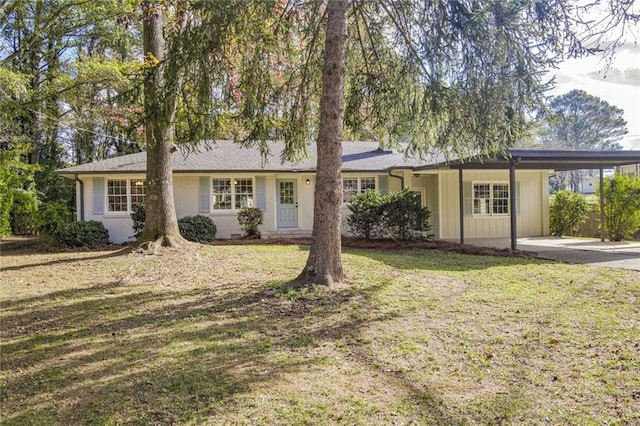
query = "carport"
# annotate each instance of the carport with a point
(556, 160)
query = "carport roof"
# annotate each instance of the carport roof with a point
(558, 160)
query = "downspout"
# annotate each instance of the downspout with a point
(81, 183)
(398, 177)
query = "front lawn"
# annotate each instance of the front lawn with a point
(418, 336)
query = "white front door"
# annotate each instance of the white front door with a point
(287, 203)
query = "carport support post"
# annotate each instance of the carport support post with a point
(512, 203)
(461, 200)
(601, 204)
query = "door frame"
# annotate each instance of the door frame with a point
(296, 192)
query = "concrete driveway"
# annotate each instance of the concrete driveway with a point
(623, 255)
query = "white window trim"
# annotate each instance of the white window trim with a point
(232, 210)
(359, 177)
(490, 214)
(127, 213)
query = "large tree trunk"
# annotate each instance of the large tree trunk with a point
(324, 265)
(161, 223)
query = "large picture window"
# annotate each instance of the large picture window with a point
(124, 194)
(354, 185)
(232, 194)
(490, 199)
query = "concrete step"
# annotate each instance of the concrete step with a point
(287, 233)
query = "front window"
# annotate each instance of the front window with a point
(117, 195)
(124, 194)
(354, 185)
(222, 194)
(490, 199)
(138, 192)
(500, 202)
(232, 193)
(243, 193)
(367, 184)
(349, 188)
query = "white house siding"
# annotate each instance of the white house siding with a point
(186, 188)
(186, 197)
(440, 191)
(433, 202)
(305, 201)
(120, 225)
(533, 212)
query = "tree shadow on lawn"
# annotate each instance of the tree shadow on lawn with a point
(81, 366)
(441, 260)
(100, 254)
(109, 354)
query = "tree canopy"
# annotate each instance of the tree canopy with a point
(579, 121)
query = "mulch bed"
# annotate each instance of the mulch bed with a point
(34, 244)
(389, 245)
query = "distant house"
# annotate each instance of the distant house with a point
(589, 184)
(487, 202)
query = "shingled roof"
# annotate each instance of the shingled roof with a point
(227, 156)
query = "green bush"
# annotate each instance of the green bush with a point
(23, 211)
(249, 219)
(51, 215)
(398, 215)
(621, 207)
(365, 220)
(6, 202)
(138, 216)
(404, 216)
(80, 234)
(200, 229)
(24, 202)
(566, 210)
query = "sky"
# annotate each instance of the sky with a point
(620, 86)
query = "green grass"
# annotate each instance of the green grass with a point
(417, 337)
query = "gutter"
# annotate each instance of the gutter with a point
(77, 179)
(398, 177)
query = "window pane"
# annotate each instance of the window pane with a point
(138, 192)
(481, 194)
(221, 194)
(286, 193)
(500, 198)
(243, 193)
(367, 184)
(349, 187)
(501, 206)
(117, 195)
(500, 190)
